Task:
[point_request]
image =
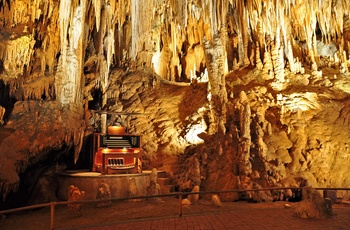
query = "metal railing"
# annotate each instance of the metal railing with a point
(52, 205)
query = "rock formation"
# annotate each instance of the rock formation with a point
(215, 200)
(313, 205)
(245, 93)
(153, 188)
(75, 195)
(104, 195)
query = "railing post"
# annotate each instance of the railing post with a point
(52, 215)
(180, 203)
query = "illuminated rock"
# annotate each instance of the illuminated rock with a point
(283, 65)
(215, 200)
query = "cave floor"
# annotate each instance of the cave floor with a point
(164, 214)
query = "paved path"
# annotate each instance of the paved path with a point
(268, 218)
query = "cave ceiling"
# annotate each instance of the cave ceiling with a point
(232, 94)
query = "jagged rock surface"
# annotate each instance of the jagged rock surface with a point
(283, 121)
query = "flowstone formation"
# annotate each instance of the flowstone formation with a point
(293, 139)
(233, 94)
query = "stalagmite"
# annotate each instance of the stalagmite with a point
(245, 166)
(258, 62)
(268, 67)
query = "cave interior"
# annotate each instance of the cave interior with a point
(225, 94)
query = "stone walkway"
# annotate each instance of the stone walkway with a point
(259, 218)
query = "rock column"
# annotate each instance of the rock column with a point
(217, 94)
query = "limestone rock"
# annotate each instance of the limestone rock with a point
(186, 202)
(154, 47)
(153, 175)
(260, 196)
(133, 190)
(313, 205)
(154, 189)
(2, 113)
(104, 194)
(194, 198)
(215, 200)
(74, 194)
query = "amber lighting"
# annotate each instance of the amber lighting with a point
(124, 150)
(116, 130)
(106, 150)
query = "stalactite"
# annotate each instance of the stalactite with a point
(246, 38)
(68, 78)
(213, 18)
(97, 7)
(61, 34)
(183, 10)
(135, 32)
(278, 65)
(17, 55)
(78, 142)
(237, 13)
(141, 25)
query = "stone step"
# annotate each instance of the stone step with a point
(162, 174)
(163, 181)
(346, 202)
(166, 189)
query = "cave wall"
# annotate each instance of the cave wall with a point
(260, 88)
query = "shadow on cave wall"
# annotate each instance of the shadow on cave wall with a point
(5, 100)
(38, 183)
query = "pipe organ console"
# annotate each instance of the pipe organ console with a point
(117, 152)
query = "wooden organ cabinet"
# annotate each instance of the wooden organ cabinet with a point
(116, 152)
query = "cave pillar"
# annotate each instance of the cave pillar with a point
(299, 138)
(244, 165)
(217, 95)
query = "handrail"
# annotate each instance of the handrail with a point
(52, 205)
